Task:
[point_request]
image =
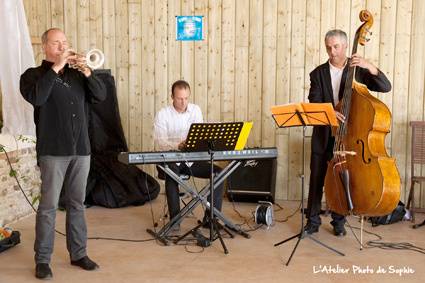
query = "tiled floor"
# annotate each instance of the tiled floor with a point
(250, 260)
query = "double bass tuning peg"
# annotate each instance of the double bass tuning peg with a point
(365, 38)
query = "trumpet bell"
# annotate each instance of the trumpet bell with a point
(95, 59)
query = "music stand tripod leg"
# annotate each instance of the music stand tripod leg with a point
(213, 219)
(228, 225)
(224, 228)
(214, 225)
(302, 233)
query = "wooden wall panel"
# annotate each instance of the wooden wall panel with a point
(268, 81)
(148, 73)
(296, 95)
(313, 43)
(174, 47)
(387, 51)
(58, 11)
(327, 22)
(214, 61)
(241, 60)
(161, 55)
(401, 87)
(83, 26)
(122, 60)
(283, 75)
(255, 64)
(200, 87)
(416, 87)
(70, 23)
(96, 27)
(109, 35)
(227, 92)
(342, 16)
(187, 58)
(254, 54)
(135, 120)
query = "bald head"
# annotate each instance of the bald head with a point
(54, 43)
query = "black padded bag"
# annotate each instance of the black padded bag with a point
(13, 240)
(395, 216)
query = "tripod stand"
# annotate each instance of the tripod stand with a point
(223, 136)
(304, 114)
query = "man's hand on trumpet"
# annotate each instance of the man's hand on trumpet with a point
(78, 62)
(74, 60)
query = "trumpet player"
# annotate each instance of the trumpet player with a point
(59, 95)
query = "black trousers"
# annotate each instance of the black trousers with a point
(318, 167)
(199, 170)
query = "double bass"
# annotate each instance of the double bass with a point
(361, 178)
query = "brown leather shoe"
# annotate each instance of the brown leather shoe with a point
(85, 263)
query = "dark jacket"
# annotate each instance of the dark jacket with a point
(321, 92)
(60, 108)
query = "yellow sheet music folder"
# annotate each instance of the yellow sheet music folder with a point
(243, 136)
(313, 114)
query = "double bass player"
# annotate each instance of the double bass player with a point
(327, 83)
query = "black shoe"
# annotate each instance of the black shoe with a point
(206, 224)
(206, 220)
(85, 263)
(339, 231)
(311, 228)
(43, 271)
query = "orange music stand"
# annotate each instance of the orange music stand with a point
(304, 114)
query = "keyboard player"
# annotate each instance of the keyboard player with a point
(171, 126)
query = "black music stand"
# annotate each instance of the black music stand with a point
(304, 114)
(212, 137)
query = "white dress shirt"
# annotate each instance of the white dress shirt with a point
(336, 76)
(171, 127)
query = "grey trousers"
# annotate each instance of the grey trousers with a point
(69, 173)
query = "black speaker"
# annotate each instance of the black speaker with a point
(252, 181)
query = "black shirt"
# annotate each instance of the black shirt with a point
(61, 108)
(321, 91)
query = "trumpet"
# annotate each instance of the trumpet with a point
(93, 59)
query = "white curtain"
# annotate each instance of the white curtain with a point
(16, 55)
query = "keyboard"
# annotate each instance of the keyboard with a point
(158, 157)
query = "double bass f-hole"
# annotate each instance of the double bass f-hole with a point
(360, 141)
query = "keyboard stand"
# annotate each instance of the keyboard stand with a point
(197, 198)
